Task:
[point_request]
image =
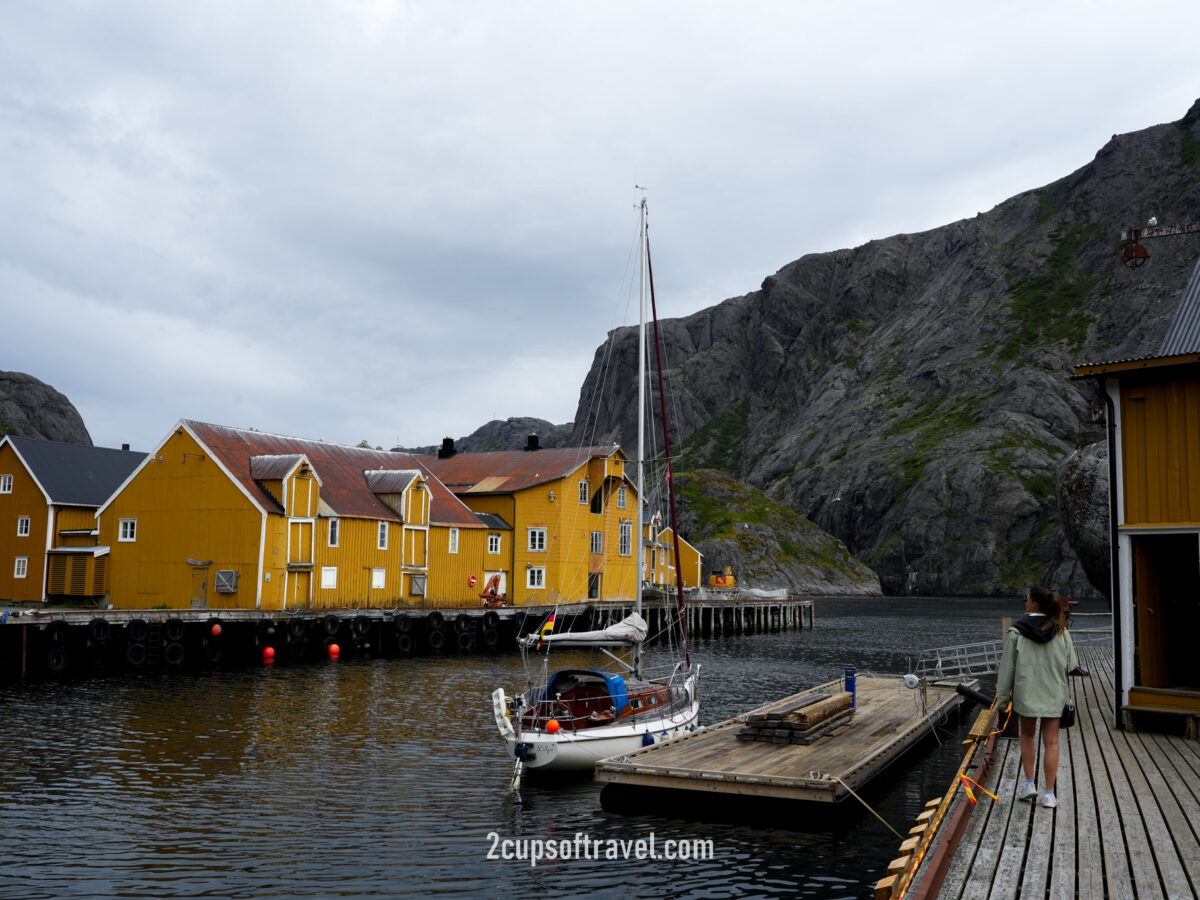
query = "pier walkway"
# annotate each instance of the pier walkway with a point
(1127, 822)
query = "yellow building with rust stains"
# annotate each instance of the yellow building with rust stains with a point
(49, 493)
(220, 517)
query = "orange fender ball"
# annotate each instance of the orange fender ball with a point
(268, 654)
(334, 650)
(216, 629)
(552, 726)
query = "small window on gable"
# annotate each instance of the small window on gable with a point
(493, 543)
(583, 491)
(621, 497)
(453, 540)
(383, 535)
(5, 484)
(23, 526)
(127, 530)
(334, 528)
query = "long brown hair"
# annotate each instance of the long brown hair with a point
(1053, 606)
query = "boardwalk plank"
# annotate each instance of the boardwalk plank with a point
(959, 869)
(1178, 805)
(987, 857)
(1056, 862)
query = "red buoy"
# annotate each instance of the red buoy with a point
(334, 650)
(216, 629)
(268, 654)
(552, 726)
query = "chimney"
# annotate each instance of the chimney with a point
(125, 447)
(531, 443)
(447, 449)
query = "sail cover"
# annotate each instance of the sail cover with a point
(630, 630)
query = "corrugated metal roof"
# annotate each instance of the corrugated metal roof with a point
(273, 468)
(1184, 334)
(344, 489)
(390, 481)
(75, 474)
(508, 471)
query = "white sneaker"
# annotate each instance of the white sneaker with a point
(1049, 800)
(1027, 791)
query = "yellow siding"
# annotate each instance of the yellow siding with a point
(26, 499)
(450, 573)
(303, 493)
(1160, 446)
(185, 507)
(358, 555)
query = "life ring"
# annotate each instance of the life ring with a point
(404, 644)
(296, 629)
(137, 631)
(135, 654)
(99, 630)
(173, 630)
(173, 654)
(56, 659)
(471, 582)
(332, 624)
(437, 640)
(436, 619)
(491, 619)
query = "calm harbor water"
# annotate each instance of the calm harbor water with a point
(385, 778)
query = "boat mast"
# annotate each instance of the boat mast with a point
(641, 443)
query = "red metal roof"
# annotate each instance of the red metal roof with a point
(344, 486)
(508, 471)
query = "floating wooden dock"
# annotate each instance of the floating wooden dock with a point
(889, 719)
(1127, 822)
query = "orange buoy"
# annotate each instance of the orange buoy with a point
(552, 726)
(334, 650)
(216, 629)
(268, 654)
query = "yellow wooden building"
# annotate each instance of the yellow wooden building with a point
(1152, 410)
(49, 493)
(660, 568)
(571, 513)
(219, 517)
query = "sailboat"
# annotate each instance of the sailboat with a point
(570, 720)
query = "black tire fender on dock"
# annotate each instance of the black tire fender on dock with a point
(173, 653)
(135, 654)
(296, 629)
(332, 623)
(298, 647)
(56, 659)
(403, 624)
(56, 632)
(404, 644)
(436, 619)
(437, 640)
(213, 652)
(362, 625)
(137, 631)
(491, 619)
(99, 630)
(491, 638)
(466, 640)
(464, 623)
(173, 631)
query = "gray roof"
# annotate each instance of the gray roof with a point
(390, 481)
(76, 474)
(1184, 334)
(273, 467)
(493, 521)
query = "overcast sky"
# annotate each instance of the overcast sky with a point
(395, 221)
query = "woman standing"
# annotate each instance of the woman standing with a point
(1037, 657)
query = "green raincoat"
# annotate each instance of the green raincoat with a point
(1035, 674)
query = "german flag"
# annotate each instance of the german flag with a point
(546, 629)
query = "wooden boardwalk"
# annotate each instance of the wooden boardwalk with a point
(889, 719)
(1127, 824)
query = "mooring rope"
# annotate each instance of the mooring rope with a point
(864, 803)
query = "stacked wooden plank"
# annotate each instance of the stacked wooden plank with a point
(800, 722)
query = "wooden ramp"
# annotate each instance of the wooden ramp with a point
(889, 718)
(1127, 822)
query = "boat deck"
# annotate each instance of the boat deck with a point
(1127, 822)
(888, 720)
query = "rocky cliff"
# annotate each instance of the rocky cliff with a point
(31, 408)
(913, 396)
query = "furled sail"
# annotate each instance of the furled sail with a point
(630, 630)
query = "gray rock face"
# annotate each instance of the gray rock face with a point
(31, 408)
(1081, 489)
(913, 396)
(508, 434)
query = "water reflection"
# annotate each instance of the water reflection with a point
(385, 778)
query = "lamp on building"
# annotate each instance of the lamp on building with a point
(552, 496)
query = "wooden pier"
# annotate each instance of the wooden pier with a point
(889, 718)
(1127, 822)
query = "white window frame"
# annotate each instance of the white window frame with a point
(127, 531)
(494, 542)
(453, 540)
(597, 541)
(23, 526)
(21, 567)
(6, 484)
(537, 540)
(382, 541)
(329, 577)
(621, 497)
(378, 578)
(584, 493)
(625, 538)
(334, 533)
(535, 578)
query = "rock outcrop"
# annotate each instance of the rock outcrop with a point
(1081, 490)
(508, 434)
(913, 396)
(32, 408)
